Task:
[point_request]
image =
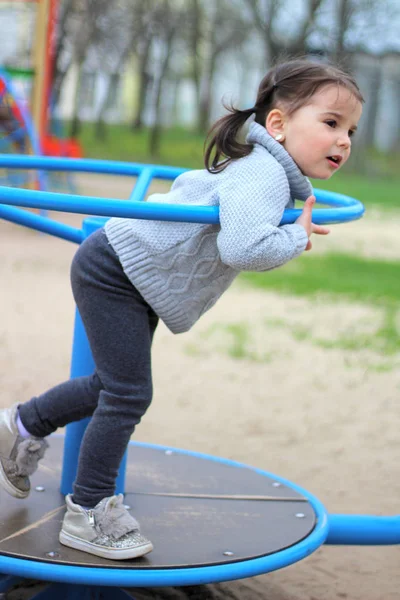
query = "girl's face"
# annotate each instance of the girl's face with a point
(318, 135)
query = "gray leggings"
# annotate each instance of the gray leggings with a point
(120, 326)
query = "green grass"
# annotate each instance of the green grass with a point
(179, 147)
(384, 340)
(373, 192)
(231, 339)
(322, 279)
(382, 335)
(238, 340)
(338, 275)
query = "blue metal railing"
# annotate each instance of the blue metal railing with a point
(343, 208)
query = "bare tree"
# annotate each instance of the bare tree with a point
(169, 17)
(345, 12)
(61, 65)
(113, 53)
(112, 85)
(224, 29)
(88, 33)
(144, 15)
(171, 41)
(395, 147)
(195, 36)
(267, 18)
(374, 89)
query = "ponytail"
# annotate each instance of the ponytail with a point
(223, 142)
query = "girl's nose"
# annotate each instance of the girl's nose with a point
(344, 141)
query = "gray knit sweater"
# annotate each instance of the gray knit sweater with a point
(181, 269)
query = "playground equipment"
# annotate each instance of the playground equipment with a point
(256, 522)
(28, 36)
(19, 134)
(29, 39)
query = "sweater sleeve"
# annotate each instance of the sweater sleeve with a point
(251, 208)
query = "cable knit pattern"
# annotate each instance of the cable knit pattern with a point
(181, 269)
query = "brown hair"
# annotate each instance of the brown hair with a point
(290, 84)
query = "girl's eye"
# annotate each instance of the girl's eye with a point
(351, 132)
(332, 123)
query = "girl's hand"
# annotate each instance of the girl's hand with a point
(305, 220)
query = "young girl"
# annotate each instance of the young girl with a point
(132, 273)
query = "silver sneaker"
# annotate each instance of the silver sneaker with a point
(107, 530)
(19, 456)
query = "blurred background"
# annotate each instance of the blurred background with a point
(142, 80)
(300, 366)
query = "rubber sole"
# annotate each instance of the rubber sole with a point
(112, 553)
(9, 487)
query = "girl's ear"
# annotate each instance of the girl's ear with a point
(275, 124)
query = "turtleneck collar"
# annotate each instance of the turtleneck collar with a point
(300, 187)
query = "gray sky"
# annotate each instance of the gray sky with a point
(378, 29)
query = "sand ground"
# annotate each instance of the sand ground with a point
(327, 419)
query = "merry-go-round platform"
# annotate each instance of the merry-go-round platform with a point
(209, 519)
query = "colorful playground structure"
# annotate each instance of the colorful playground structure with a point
(257, 522)
(25, 94)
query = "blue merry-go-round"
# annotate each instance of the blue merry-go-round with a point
(210, 519)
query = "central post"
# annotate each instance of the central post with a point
(82, 364)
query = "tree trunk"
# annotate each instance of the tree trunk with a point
(58, 82)
(206, 94)
(144, 81)
(100, 129)
(395, 146)
(75, 121)
(174, 117)
(195, 36)
(373, 105)
(208, 74)
(58, 74)
(341, 56)
(155, 132)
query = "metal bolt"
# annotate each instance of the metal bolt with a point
(300, 515)
(228, 553)
(53, 554)
(39, 488)
(276, 484)
(168, 452)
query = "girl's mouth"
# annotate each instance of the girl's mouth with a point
(334, 160)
